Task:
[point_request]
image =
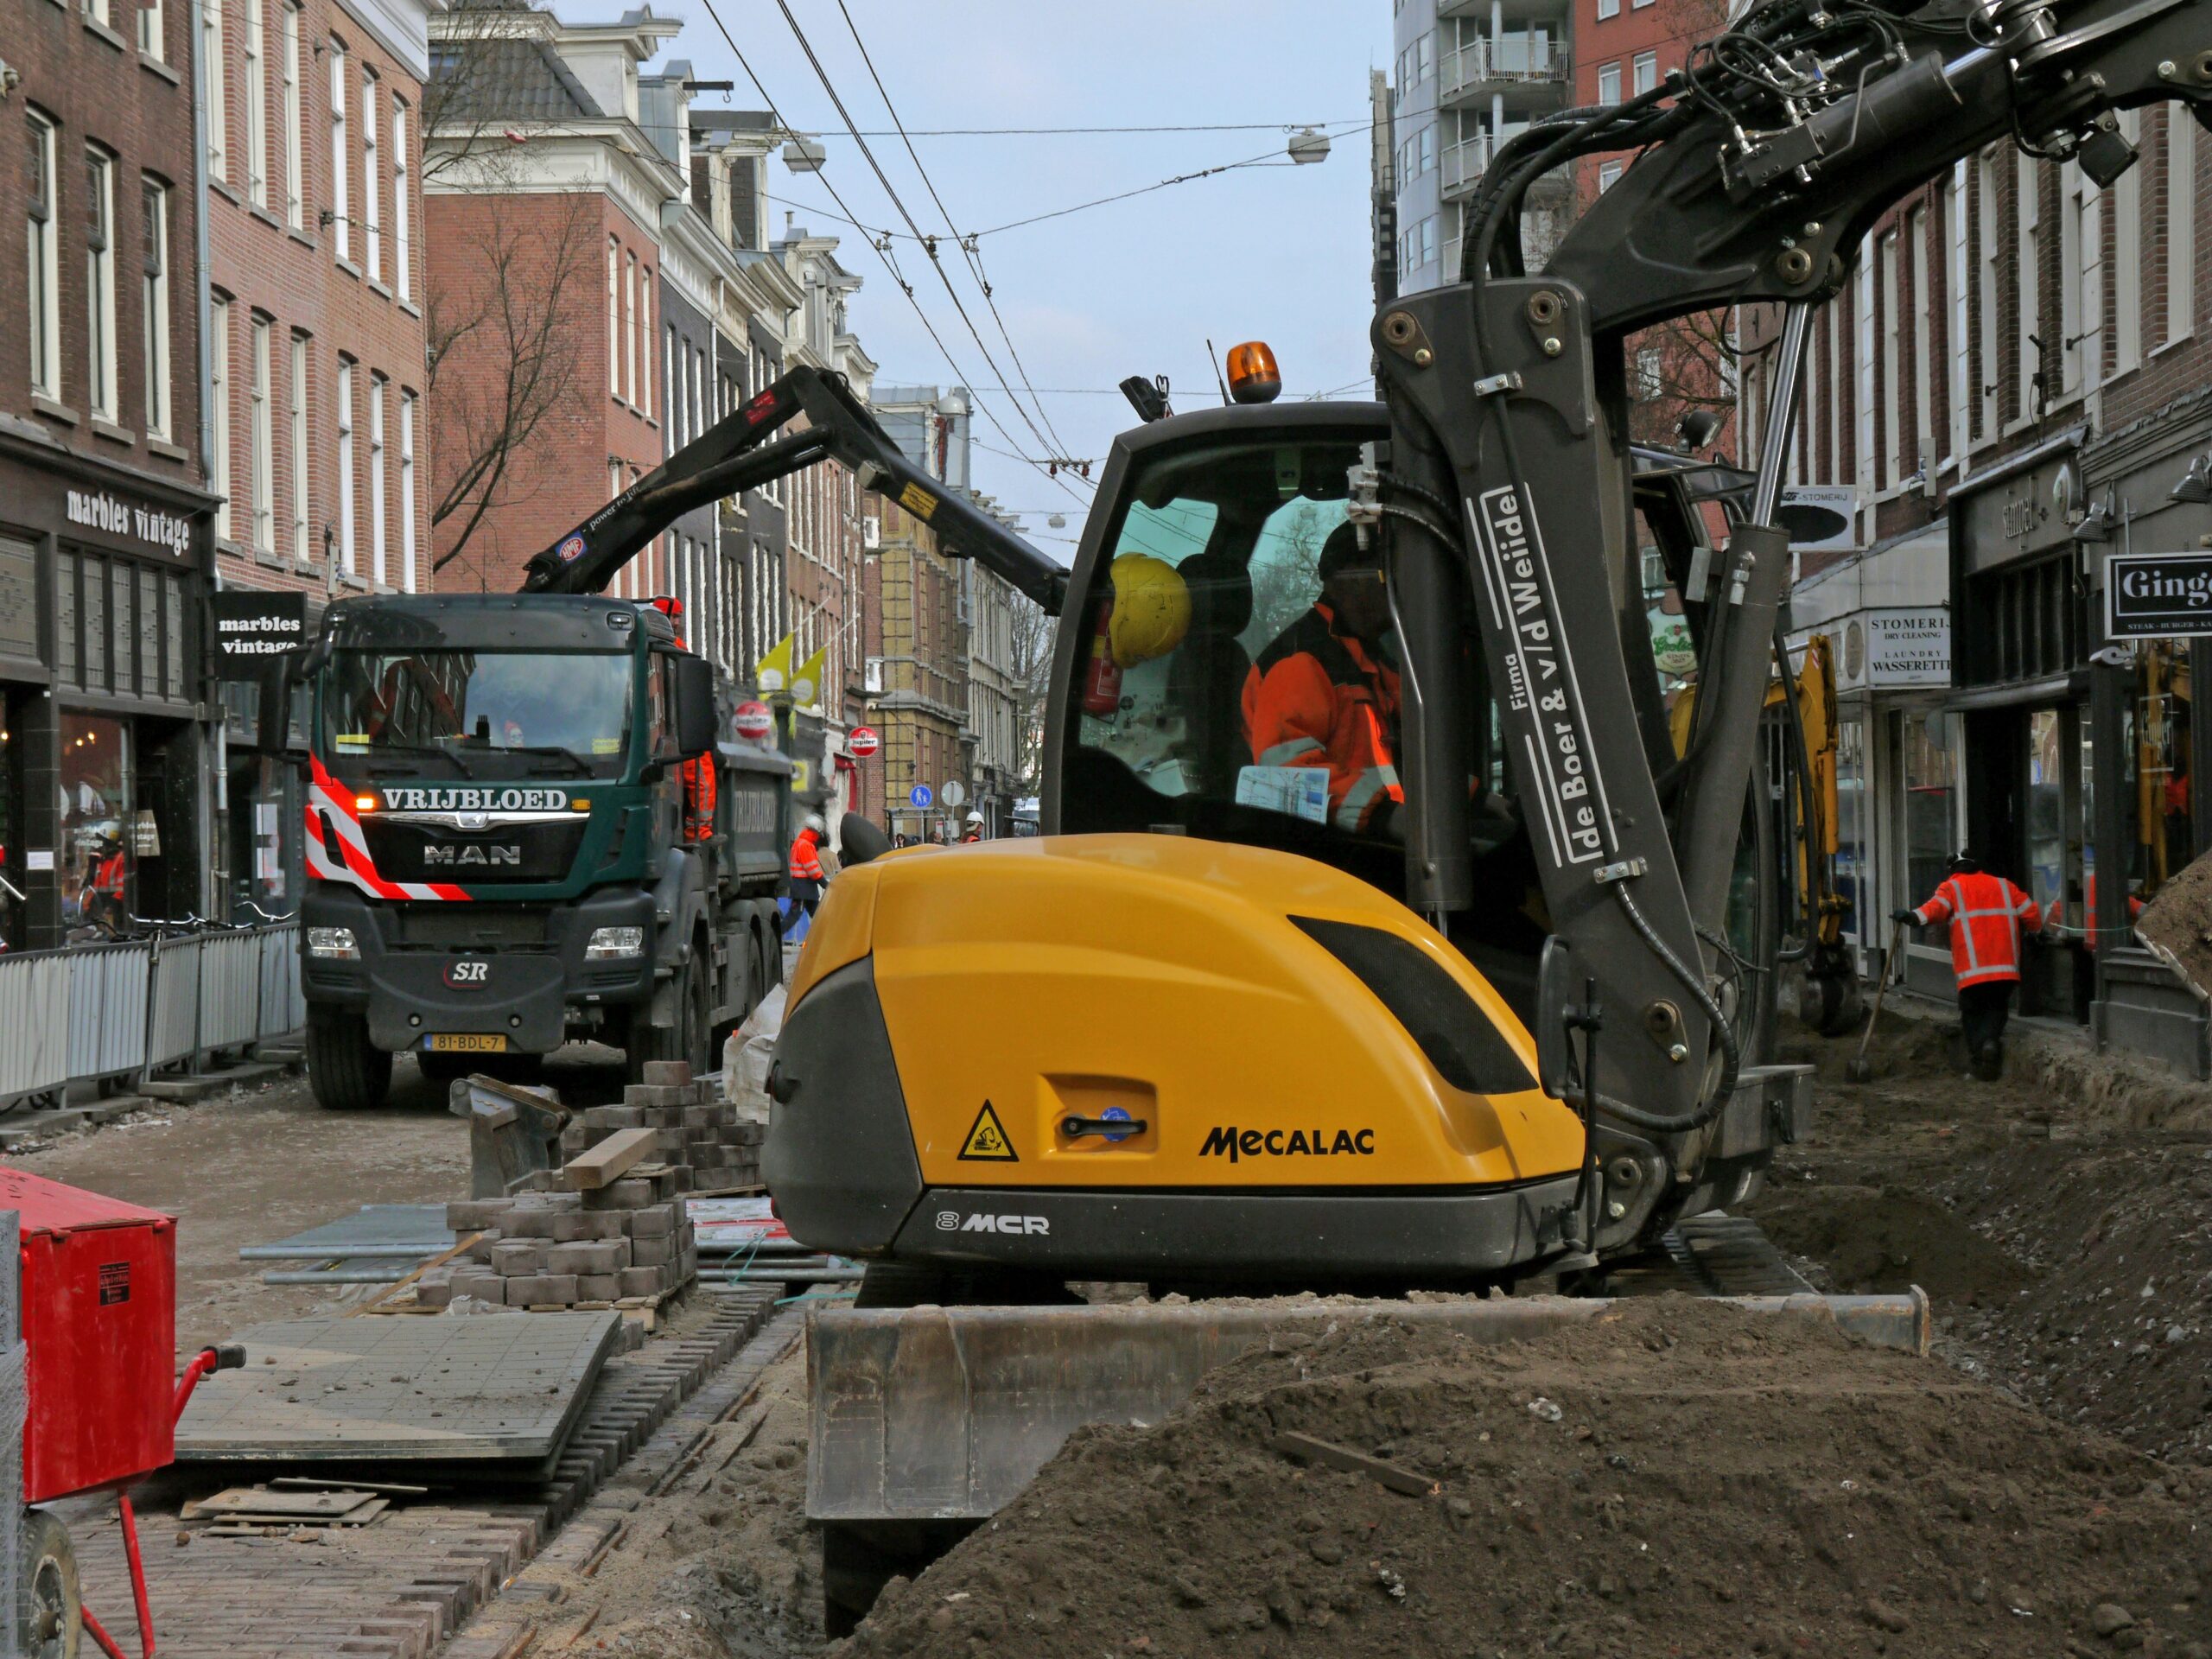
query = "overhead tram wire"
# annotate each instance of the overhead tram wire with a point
(929, 243)
(904, 287)
(967, 247)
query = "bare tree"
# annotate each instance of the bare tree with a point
(505, 317)
(478, 48)
(1029, 667)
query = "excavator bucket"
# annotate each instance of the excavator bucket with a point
(945, 1414)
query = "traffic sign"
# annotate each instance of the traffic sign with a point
(953, 793)
(920, 795)
(863, 742)
(753, 721)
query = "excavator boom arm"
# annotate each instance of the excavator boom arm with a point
(741, 452)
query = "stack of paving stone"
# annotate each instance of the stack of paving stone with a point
(706, 1140)
(625, 1244)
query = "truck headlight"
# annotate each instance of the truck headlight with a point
(607, 942)
(333, 942)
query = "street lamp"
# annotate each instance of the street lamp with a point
(803, 154)
(1309, 145)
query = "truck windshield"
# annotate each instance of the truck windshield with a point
(478, 714)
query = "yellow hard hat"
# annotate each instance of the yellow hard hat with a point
(1152, 609)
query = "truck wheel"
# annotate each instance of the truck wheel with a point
(347, 1072)
(685, 1040)
(50, 1621)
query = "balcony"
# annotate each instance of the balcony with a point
(1526, 73)
(1462, 165)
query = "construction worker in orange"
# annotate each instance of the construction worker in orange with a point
(806, 871)
(1321, 694)
(698, 773)
(1986, 913)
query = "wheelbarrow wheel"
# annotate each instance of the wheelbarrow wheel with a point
(51, 1619)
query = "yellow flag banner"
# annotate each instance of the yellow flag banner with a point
(806, 684)
(774, 671)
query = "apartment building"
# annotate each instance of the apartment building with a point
(103, 513)
(2011, 386)
(318, 440)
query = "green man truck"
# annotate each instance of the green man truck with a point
(529, 819)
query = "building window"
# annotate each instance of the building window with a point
(1955, 213)
(1862, 357)
(1923, 364)
(347, 561)
(630, 330)
(2179, 220)
(675, 426)
(402, 205)
(371, 180)
(2027, 216)
(289, 108)
(213, 62)
(1609, 83)
(645, 340)
(2126, 217)
(261, 460)
(614, 323)
(1991, 285)
(376, 562)
(2081, 294)
(155, 304)
(1609, 174)
(341, 142)
(45, 264)
(1893, 366)
(407, 491)
(218, 393)
(1647, 72)
(152, 30)
(99, 281)
(1608, 8)
(257, 109)
(298, 391)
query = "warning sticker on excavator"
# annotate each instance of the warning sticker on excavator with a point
(918, 501)
(988, 1141)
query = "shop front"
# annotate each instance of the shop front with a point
(261, 874)
(1886, 616)
(103, 798)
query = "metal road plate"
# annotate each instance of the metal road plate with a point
(347, 1390)
(403, 1232)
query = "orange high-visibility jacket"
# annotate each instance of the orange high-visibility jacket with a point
(2057, 911)
(806, 862)
(1986, 913)
(699, 794)
(1316, 698)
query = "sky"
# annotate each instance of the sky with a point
(1277, 252)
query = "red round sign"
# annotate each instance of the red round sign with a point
(753, 721)
(863, 742)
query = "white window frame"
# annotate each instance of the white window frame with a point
(1892, 364)
(100, 396)
(2124, 203)
(346, 554)
(2081, 277)
(288, 109)
(152, 30)
(645, 340)
(214, 65)
(1608, 8)
(2178, 245)
(1991, 284)
(296, 391)
(379, 566)
(402, 205)
(613, 318)
(1922, 323)
(2027, 219)
(153, 304)
(1962, 363)
(630, 329)
(372, 181)
(218, 392)
(341, 140)
(261, 443)
(406, 491)
(257, 106)
(1643, 74)
(1609, 174)
(1609, 82)
(43, 228)
(676, 439)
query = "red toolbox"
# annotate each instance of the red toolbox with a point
(99, 1313)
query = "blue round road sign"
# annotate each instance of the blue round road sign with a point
(920, 795)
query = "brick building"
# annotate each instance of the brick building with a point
(542, 204)
(2011, 386)
(318, 440)
(104, 519)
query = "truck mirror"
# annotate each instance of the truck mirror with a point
(694, 706)
(273, 720)
(1559, 988)
(859, 840)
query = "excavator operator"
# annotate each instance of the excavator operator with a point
(1322, 695)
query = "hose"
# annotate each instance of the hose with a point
(1723, 1033)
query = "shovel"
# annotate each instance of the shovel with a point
(1861, 1070)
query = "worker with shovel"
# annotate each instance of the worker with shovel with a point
(1986, 913)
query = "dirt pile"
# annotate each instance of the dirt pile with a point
(2179, 922)
(1681, 1478)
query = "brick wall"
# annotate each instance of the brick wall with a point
(96, 87)
(294, 257)
(542, 260)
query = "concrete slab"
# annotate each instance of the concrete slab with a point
(340, 1390)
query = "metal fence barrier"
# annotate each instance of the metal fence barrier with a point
(88, 1013)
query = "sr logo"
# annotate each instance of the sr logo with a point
(468, 976)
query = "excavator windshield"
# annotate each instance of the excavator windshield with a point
(1237, 675)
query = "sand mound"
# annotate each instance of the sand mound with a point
(1679, 1478)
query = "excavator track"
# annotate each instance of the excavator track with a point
(1712, 1254)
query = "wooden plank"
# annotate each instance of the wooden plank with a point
(609, 1160)
(317, 1483)
(1395, 1476)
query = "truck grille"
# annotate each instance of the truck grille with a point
(482, 927)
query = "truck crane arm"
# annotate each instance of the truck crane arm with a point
(741, 452)
(1758, 168)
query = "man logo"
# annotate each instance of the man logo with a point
(948, 1220)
